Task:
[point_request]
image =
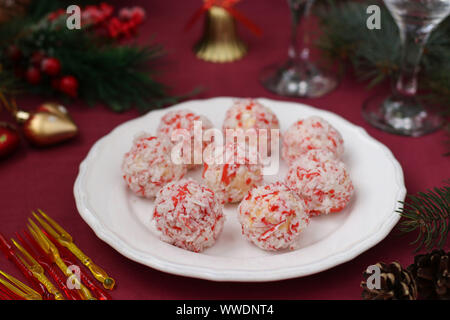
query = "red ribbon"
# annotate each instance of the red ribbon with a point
(227, 5)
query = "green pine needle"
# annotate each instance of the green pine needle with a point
(428, 214)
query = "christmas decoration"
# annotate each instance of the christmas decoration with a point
(9, 139)
(51, 66)
(33, 75)
(42, 56)
(432, 274)
(68, 85)
(428, 212)
(48, 125)
(396, 283)
(220, 42)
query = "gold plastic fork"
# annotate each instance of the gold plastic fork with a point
(37, 270)
(65, 239)
(19, 288)
(53, 253)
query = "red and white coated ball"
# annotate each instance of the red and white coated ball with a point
(250, 114)
(184, 119)
(147, 167)
(322, 181)
(272, 217)
(310, 134)
(188, 215)
(233, 173)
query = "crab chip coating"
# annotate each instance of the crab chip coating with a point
(183, 119)
(273, 217)
(250, 114)
(309, 134)
(147, 167)
(324, 184)
(188, 215)
(235, 175)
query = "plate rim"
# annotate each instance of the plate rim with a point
(108, 236)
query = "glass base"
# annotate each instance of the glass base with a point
(401, 115)
(298, 79)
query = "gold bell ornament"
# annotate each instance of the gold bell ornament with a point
(48, 125)
(220, 42)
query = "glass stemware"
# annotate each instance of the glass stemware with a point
(402, 112)
(298, 76)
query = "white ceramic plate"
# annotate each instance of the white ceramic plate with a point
(122, 219)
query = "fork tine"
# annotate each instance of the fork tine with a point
(25, 244)
(18, 287)
(25, 263)
(38, 235)
(54, 224)
(10, 287)
(24, 252)
(45, 225)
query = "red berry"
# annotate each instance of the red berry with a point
(36, 58)
(137, 15)
(33, 75)
(14, 52)
(114, 27)
(51, 66)
(69, 85)
(9, 139)
(125, 14)
(106, 9)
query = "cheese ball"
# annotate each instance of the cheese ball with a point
(323, 183)
(183, 119)
(272, 217)
(147, 167)
(310, 134)
(188, 215)
(233, 176)
(250, 114)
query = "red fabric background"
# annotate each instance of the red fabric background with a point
(34, 178)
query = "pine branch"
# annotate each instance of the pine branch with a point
(375, 54)
(428, 213)
(118, 75)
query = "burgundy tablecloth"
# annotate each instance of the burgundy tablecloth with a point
(34, 178)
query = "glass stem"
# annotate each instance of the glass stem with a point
(298, 8)
(412, 44)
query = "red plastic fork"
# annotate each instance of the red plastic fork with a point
(48, 265)
(11, 255)
(70, 259)
(8, 295)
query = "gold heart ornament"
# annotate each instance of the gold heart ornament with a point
(50, 124)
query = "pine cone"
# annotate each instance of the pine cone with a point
(432, 274)
(396, 283)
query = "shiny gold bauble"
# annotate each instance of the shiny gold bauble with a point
(50, 124)
(220, 42)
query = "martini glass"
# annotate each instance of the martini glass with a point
(402, 112)
(298, 76)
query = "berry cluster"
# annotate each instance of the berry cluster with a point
(101, 19)
(40, 67)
